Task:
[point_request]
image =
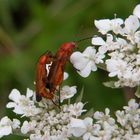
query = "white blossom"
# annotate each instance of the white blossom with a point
(67, 92)
(116, 67)
(121, 46)
(49, 123)
(76, 109)
(82, 128)
(23, 104)
(53, 124)
(131, 25)
(136, 11)
(106, 25)
(86, 62)
(7, 126)
(104, 127)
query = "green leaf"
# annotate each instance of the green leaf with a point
(110, 84)
(89, 113)
(79, 98)
(137, 93)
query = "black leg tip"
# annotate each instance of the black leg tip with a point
(38, 98)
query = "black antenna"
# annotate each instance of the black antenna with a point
(84, 39)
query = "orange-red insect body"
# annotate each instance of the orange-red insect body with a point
(41, 76)
(56, 73)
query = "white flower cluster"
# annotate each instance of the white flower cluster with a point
(104, 127)
(44, 120)
(119, 49)
(52, 124)
(47, 122)
(120, 43)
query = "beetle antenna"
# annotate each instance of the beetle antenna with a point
(84, 39)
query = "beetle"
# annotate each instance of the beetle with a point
(56, 74)
(49, 80)
(41, 76)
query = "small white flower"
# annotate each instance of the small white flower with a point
(105, 45)
(77, 127)
(131, 25)
(28, 126)
(106, 25)
(132, 105)
(23, 104)
(15, 124)
(25, 127)
(136, 11)
(116, 25)
(83, 128)
(116, 67)
(104, 117)
(86, 62)
(5, 126)
(121, 118)
(67, 92)
(76, 109)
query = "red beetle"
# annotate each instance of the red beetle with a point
(56, 74)
(41, 76)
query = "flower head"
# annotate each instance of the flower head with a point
(23, 104)
(67, 92)
(86, 62)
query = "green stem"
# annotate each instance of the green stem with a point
(102, 66)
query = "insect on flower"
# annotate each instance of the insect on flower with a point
(41, 76)
(48, 82)
(56, 74)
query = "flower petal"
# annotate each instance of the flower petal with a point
(89, 51)
(77, 127)
(93, 67)
(15, 95)
(131, 24)
(10, 105)
(103, 25)
(5, 121)
(25, 127)
(136, 11)
(137, 37)
(98, 41)
(5, 130)
(29, 93)
(86, 71)
(88, 121)
(18, 110)
(15, 124)
(67, 92)
(78, 60)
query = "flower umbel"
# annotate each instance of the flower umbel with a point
(118, 45)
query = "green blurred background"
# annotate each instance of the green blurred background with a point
(30, 27)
